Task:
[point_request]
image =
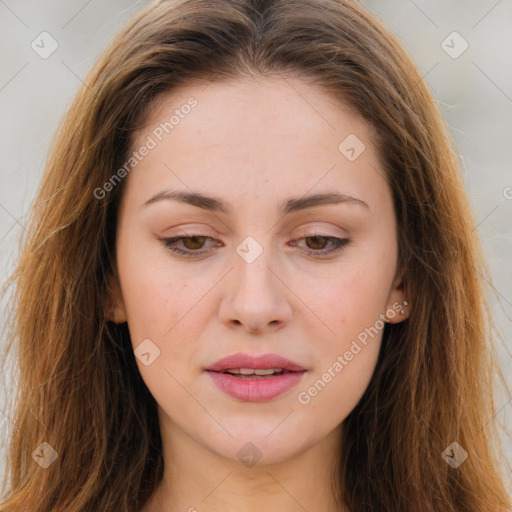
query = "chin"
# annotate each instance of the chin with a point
(256, 447)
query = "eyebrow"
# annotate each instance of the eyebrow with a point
(291, 205)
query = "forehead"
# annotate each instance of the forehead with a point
(261, 135)
(261, 106)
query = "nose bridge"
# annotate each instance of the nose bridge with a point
(253, 264)
(255, 297)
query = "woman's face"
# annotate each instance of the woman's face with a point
(269, 264)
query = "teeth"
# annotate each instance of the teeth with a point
(252, 371)
(268, 371)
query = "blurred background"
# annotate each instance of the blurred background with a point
(462, 47)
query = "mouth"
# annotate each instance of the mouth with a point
(255, 379)
(254, 373)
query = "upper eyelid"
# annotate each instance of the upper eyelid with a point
(308, 234)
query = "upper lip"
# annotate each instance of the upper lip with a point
(264, 361)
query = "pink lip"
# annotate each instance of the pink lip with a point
(241, 360)
(255, 389)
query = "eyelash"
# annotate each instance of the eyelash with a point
(338, 243)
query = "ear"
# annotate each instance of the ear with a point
(113, 303)
(399, 305)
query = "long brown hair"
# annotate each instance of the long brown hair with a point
(78, 386)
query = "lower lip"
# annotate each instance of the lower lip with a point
(257, 389)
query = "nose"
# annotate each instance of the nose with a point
(255, 297)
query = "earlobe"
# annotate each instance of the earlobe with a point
(398, 307)
(397, 311)
(113, 305)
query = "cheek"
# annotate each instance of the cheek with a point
(172, 308)
(346, 356)
(157, 294)
(333, 393)
(347, 359)
(350, 302)
(169, 311)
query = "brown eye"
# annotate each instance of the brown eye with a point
(322, 245)
(319, 242)
(194, 242)
(192, 245)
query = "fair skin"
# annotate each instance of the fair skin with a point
(254, 143)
